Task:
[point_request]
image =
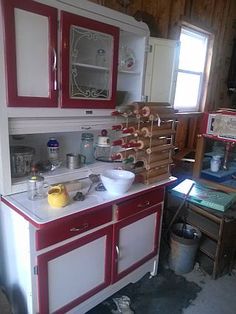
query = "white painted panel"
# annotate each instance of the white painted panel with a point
(32, 54)
(161, 70)
(136, 241)
(75, 273)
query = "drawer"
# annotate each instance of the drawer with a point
(72, 226)
(139, 203)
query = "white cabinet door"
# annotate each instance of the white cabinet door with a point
(70, 274)
(136, 241)
(161, 71)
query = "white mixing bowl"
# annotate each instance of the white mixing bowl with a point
(116, 181)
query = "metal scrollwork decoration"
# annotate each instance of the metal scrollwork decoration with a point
(83, 82)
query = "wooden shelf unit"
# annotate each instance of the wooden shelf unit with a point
(218, 244)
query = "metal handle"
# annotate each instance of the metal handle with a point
(86, 127)
(54, 68)
(145, 204)
(76, 229)
(117, 251)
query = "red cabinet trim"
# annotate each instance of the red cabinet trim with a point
(122, 223)
(62, 230)
(139, 203)
(43, 269)
(13, 99)
(69, 19)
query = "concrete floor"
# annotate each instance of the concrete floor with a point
(216, 297)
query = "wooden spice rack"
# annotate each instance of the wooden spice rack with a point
(146, 140)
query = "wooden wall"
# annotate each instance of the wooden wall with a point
(216, 16)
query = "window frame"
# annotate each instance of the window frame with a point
(204, 75)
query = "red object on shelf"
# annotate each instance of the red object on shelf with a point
(118, 142)
(128, 130)
(131, 145)
(117, 127)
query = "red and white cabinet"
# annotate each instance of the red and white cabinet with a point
(80, 260)
(89, 62)
(30, 53)
(68, 56)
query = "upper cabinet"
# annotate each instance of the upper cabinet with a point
(89, 62)
(72, 55)
(161, 72)
(30, 53)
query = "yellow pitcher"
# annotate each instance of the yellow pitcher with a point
(58, 196)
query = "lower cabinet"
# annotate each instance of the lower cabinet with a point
(136, 240)
(71, 265)
(74, 272)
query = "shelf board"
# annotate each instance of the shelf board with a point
(129, 72)
(206, 263)
(90, 66)
(208, 227)
(208, 246)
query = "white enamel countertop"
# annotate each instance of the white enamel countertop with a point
(39, 212)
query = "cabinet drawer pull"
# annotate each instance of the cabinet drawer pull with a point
(145, 204)
(117, 251)
(54, 68)
(86, 127)
(83, 227)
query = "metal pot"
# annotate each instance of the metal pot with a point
(21, 160)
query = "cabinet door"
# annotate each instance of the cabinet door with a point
(70, 274)
(136, 240)
(30, 51)
(89, 62)
(161, 72)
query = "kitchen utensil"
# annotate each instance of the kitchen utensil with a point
(58, 196)
(21, 160)
(36, 187)
(79, 196)
(116, 181)
(74, 161)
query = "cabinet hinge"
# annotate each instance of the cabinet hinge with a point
(149, 48)
(36, 270)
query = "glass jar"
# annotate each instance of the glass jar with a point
(87, 147)
(53, 150)
(215, 163)
(101, 58)
(36, 187)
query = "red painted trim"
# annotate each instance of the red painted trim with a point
(140, 203)
(204, 122)
(62, 230)
(43, 270)
(13, 207)
(118, 226)
(13, 99)
(69, 19)
(61, 219)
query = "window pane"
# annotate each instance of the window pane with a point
(192, 51)
(187, 91)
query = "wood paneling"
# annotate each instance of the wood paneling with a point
(216, 16)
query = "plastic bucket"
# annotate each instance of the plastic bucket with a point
(184, 242)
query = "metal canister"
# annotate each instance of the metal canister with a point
(21, 160)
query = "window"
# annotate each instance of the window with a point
(192, 71)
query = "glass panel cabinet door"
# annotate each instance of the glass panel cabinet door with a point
(89, 62)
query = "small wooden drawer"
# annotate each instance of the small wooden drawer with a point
(139, 203)
(71, 226)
